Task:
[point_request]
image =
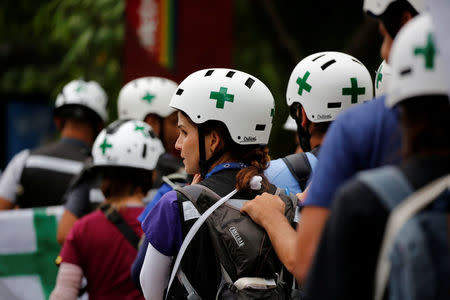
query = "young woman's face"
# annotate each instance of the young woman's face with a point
(187, 144)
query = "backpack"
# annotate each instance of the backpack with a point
(301, 165)
(414, 259)
(243, 248)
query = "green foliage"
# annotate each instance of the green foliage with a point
(52, 42)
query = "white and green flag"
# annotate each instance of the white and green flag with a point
(28, 249)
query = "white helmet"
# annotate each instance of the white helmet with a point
(416, 64)
(241, 101)
(146, 95)
(87, 94)
(127, 143)
(290, 124)
(378, 7)
(382, 79)
(326, 83)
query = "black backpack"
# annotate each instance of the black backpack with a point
(249, 265)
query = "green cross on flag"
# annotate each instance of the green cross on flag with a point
(221, 96)
(302, 84)
(428, 52)
(354, 90)
(148, 97)
(25, 260)
(80, 87)
(105, 146)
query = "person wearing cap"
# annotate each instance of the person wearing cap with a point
(347, 255)
(40, 177)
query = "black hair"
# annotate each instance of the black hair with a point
(425, 125)
(392, 16)
(124, 181)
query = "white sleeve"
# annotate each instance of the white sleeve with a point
(68, 282)
(155, 273)
(10, 179)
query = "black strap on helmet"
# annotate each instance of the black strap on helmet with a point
(303, 135)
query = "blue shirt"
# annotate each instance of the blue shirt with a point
(164, 188)
(279, 174)
(363, 137)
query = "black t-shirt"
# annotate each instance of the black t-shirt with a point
(345, 262)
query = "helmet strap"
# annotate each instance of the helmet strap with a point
(303, 134)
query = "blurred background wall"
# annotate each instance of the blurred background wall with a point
(46, 43)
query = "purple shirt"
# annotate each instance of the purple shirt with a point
(162, 226)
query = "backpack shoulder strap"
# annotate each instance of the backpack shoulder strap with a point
(116, 219)
(299, 166)
(398, 217)
(388, 183)
(190, 235)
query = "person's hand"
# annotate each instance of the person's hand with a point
(263, 207)
(197, 178)
(302, 196)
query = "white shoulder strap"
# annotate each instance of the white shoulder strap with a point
(190, 235)
(398, 217)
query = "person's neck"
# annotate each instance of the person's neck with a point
(133, 200)
(315, 141)
(82, 132)
(225, 158)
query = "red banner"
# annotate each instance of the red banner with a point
(173, 38)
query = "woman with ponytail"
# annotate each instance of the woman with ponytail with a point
(224, 120)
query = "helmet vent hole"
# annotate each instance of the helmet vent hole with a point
(198, 116)
(128, 150)
(312, 116)
(144, 151)
(405, 71)
(239, 137)
(327, 64)
(334, 104)
(318, 57)
(260, 127)
(230, 74)
(112, 128)
(179, 92)
(209, 73)
(358, 62)
(250, 82)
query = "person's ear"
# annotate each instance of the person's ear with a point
(406, 17)
(215, 141)
(304, 119)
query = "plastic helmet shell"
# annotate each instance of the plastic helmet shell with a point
(146, 95)
(382, 79)
(378, 7)
(84, 93)
(241, 101)
(129, 143)
(416, 64)
(326, 83)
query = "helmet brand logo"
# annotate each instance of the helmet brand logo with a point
(249, 139)
(237, 237)
(323, 117)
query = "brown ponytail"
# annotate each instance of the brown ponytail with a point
(256, 157)
(257, 160)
